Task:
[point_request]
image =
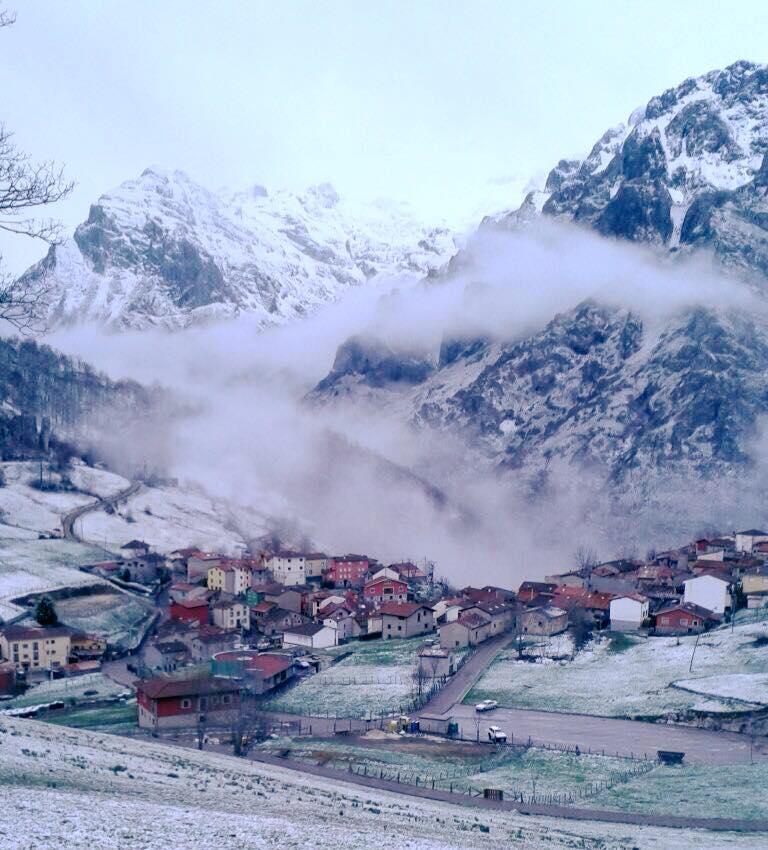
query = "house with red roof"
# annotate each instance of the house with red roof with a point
(172, 703)
(683, 618)
(379, 591)
(191, 609)
(259, 672)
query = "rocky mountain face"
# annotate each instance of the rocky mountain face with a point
(162, 250)
(688, 171)
(597, 387)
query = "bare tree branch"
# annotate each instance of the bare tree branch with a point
(25, 187)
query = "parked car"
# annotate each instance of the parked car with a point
(486, 705)
(496, 735)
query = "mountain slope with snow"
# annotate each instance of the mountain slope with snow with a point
(689, 170)
(627, 395)
(162, 250)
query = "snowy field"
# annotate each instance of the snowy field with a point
(729, 672)
(35, 566)
(167, 518)
(106, 792)
(26, 512)
(376, 679)
(89, 687)
(171, 518)
(119, 617)
(735, 791)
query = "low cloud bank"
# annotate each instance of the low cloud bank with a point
(359, 477)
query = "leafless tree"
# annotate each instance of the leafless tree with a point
(25, 187)
(246, 724)
(585, 557)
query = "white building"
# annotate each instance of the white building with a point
(745, 540)
(710, 592)
(628, 613)
(288, 567)
(310, 636)
(385, 573)
(341, 621)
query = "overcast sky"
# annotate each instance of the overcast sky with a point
(450, 105)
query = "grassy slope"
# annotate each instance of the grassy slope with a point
(109, 792)
(634, 680)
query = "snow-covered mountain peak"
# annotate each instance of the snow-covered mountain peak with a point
(161, 249)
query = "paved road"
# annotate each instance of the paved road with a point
(459, 685)
(567, 812)
(68, 520)
(612, 735)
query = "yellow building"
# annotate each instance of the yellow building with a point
(230, 577)
(756, 581)
(35, 647)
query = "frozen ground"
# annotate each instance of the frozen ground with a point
(171, 518)
(167, 518)
(637, 681)
(26, 512)
(376, 679)
(113, 614)
(89, 687)
(33, 566)
(736, 791)
(108, 792)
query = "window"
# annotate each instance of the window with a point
(186, 703)
(665, 621)
(226, 699)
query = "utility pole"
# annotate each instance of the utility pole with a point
(690, 667)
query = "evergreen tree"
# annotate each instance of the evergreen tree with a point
(45, 613)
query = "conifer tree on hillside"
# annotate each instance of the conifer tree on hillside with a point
(45, 612)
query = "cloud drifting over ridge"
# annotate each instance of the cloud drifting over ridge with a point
(358, 476)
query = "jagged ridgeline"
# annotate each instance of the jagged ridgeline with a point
(596, 387)
(46, 397)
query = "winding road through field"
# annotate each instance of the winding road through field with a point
(68, 520)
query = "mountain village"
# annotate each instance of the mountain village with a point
(226, 631)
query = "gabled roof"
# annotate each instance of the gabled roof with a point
(402, 609)
(474, 620)
(163, 687)
(135, 544)
(754, 532)
(192, 602)
(21, 632)
(223, 604)
(537, 586)
(171, 646)
(709, 575)
(635, 597)
(551, 612)
(689, 608)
